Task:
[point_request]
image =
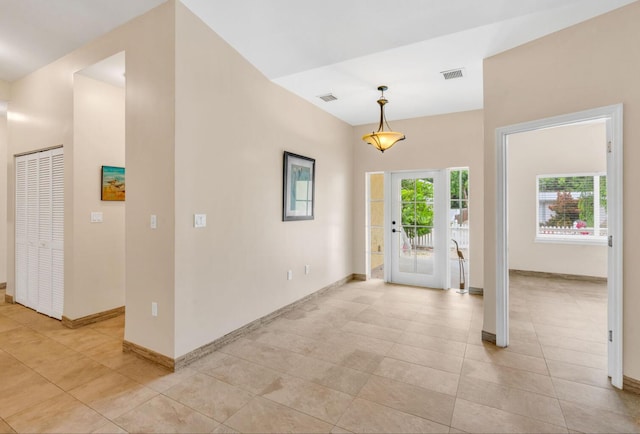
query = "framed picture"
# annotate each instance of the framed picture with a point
(299, 186)
(112, 183)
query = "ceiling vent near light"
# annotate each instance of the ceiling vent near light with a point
(453, 73)
(328, 97)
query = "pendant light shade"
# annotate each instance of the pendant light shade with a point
(383, 140)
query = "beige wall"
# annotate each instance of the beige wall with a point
(5, 89)
(232, 126)
(564, 150)
(43, 106)
(437, 142)
(4, 97)
(592, 64)
(98, 136)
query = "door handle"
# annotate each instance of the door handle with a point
(394, 230)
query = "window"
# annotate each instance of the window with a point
(459, 208)
(459, 227)
(459, 190)
(572, 208)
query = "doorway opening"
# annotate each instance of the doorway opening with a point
(375, 225)
(611, 117)
(417, 227)
(99, 189)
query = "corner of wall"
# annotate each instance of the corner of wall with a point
(228, 165)
(5, 90)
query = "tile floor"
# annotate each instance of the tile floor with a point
(365, 357)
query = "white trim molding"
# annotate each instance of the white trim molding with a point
(613, 116)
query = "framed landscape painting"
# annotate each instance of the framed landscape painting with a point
(298, 182)
(113, 185)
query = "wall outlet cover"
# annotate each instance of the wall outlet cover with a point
(199, 220)
(96, 217)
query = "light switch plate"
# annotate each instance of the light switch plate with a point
(153, 223)
(96, 217)
(199, 220)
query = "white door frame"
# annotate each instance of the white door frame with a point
(613, 115)
(367, 217)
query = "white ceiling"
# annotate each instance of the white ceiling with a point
(313, 47)
(34, 33)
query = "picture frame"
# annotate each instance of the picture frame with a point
(298, 198)
(112, 186)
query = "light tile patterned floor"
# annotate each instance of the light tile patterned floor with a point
(365, 357)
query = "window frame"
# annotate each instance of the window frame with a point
(569, 239)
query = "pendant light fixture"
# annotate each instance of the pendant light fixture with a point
(381, 139)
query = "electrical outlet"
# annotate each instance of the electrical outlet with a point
(307, 269)
(154, 308)
(289, 275)
(199, 220)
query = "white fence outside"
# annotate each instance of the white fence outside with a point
(459, 232)
(571, 231)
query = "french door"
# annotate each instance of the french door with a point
(418, 228)
(39, 227)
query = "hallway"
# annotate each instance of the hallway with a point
(364, 357)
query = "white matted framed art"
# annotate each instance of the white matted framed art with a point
(299, 187)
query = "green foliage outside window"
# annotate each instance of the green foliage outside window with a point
(568, 209)
(459, 187)
(417, 206)
(417, 201)
(603, 191)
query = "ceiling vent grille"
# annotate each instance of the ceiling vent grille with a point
(328, 97)
(453, 73)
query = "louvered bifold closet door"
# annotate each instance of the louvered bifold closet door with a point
(40, 231)
(32, 233)
(57, 232)
(44, 234)
(21, 230)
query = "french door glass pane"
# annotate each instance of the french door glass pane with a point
(415, 253)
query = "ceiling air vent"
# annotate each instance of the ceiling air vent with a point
(453, 73)
(328, 97)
